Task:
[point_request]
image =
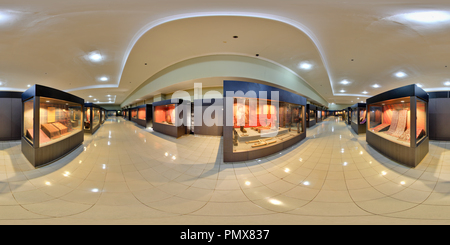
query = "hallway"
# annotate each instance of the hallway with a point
(124, 174)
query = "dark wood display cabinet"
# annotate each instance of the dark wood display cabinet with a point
(311, 111)
(92, 117)
(52, 124)
(357, 116)
(398, 124)
(142, 115)
(168, 117)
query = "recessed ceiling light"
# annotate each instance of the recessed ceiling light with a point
(345, 82)
(1, 83)
(305, 66)
(103, 79)
(365, 92)
(342, 91)
(376, 86)
(419, 85)
(95, 57)
(447, 83)
(90, 96)
(28, 85)
(108, 95)
(400, 74)
(428, 17)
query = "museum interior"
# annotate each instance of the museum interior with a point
(237, 112)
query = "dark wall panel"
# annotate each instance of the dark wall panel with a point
(439, 112)
(10, 118)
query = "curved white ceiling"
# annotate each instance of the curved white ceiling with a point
(361, 41)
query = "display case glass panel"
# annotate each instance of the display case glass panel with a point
(141, 113)
(28, 115)
(355, 116)
(421, 120)
(391, 120)
(134, 113)
(260, 123)
(58, 120)
(96, 117)
(312, 116)
(319, 114)
(87, 118)
(362, 115)
(164, 114)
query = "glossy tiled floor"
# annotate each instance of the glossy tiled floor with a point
(127, 175)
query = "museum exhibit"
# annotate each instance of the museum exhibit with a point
(169, 117)
(52, 124)
(257, 125)
(92, 116)
(142, 115)
(357, 114)
(396, 115)
(311, 115)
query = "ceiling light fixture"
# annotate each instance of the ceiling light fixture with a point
(345, 82)
(342, 91)
(95, 56)
(400, 74)
(103, 79)
(305, 66)
(447, 83)
(365, 92)
(376, 86)
(428, 17)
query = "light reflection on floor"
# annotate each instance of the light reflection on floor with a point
(127, 175)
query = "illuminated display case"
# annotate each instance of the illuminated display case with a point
(319, 115)
(397, 124)
(256, 127)
(168, 117)
(102, 116)
(91, 118)
(310, 115)
(142, 115)
(349, 118)
(52, 124)
(358, 118)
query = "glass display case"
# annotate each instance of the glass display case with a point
(165, 114)
(358, 118)
(398, 125)
(310, 115)
(168, 117)
(52, 124)
(319, 116)
(259, 126)
(91, 117)
(142, 115)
